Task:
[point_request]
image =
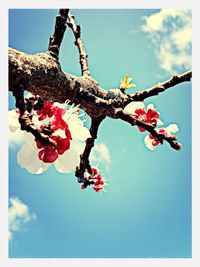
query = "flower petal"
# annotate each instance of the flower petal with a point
(30, 141)
(67, 162)
(159, 122)
(80, 133)
(150, 106)
(148, 143)
(28, 159)
(13, 122)
(172, 128)
(130, 108)
(16, 138)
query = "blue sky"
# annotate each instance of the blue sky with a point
(147, 209)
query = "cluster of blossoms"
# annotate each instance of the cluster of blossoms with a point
(138, 111)
(97, 180)
(64, 127)
(49, 154)
(151, 142)
(151, 116)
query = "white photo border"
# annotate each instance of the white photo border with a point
(4, 260)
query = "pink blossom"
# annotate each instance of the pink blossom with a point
(138, 111)
(48, 154)
(36, 158)
(151, 141)
(98, 180)
(46, 111)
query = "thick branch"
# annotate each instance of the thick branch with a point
(84, 158)
(76, 29)
(121, 114)
(60, 27)
(159, 88)
(42, 75)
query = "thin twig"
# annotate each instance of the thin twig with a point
(155, 90)
(25, 119)
(57, 37)
(84, 158)
(172, 140)
(76, 29)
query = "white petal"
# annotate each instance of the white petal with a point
(150, 106)
(28, 159)
(172, 128)
(16, 138)
(148, 143)
(77, 146)
(13, 122)
(61, 133)
(130, 108)
(30, 141)
(76, 125)
(77, 129)
(67, 162)
(80, 133)
(159, 122)
(57, 104)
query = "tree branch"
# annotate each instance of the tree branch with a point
(25, 120)
(41, 74)
(57, 37)
(159, 88)
(76, 29)
(121, 114)
(84, 158)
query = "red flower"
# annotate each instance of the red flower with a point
(98, 180)
(151, 116)
(68, 133)
(63, 144)
(48, 154)
(46, 111)
(58, 122)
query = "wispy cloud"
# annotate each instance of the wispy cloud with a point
(101, 154)
(18, 215)
(170, 31)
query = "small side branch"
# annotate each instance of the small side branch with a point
(57, 37)
(155, 90)
(172, 140)
(25, 119)
(84, 158)
(76, 29)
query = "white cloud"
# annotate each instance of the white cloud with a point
(18, 215)
(101, 154)
(170, 31)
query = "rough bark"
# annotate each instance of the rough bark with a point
(41, 74)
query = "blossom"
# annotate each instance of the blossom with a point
(58, 122)
(126, 83)
(37, 158)
(46, 111)
(151, 142)
(16, 137)
(138, 111)
(98, 181)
